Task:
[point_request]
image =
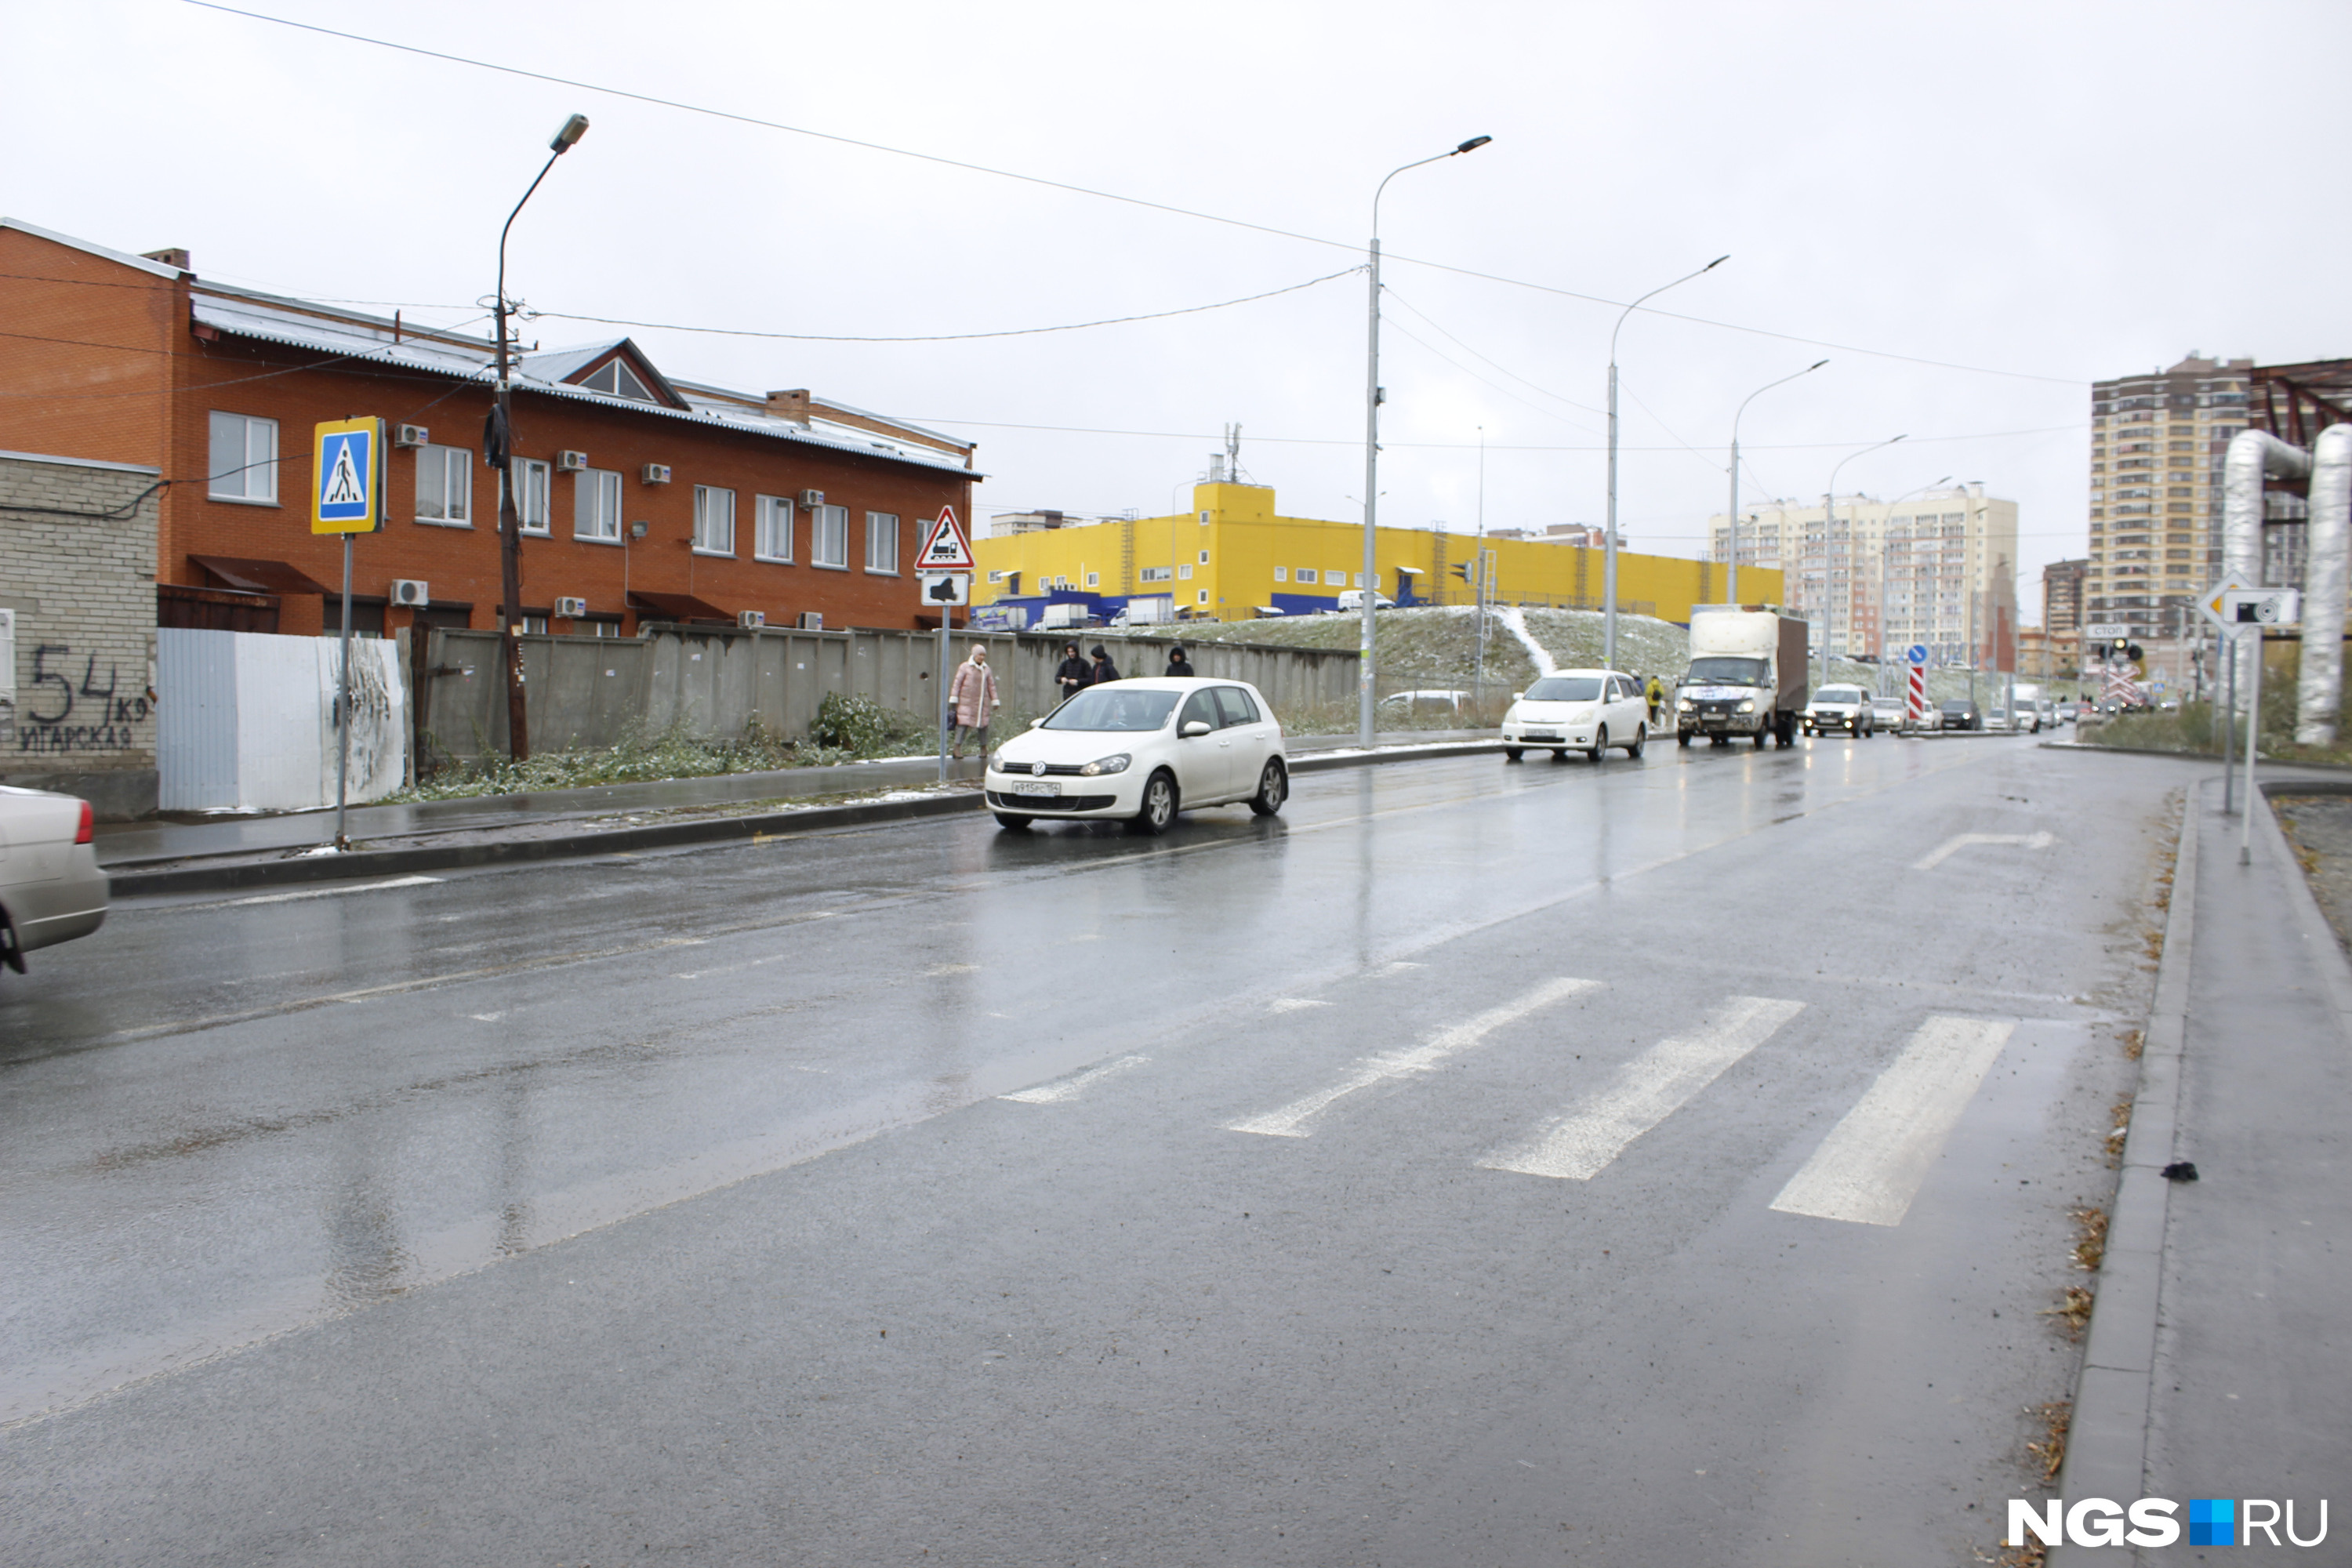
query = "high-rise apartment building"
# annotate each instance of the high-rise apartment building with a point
(1935, 568)
(2158, 442)
(2061, 596)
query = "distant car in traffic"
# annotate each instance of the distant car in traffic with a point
(1889, 713)
(1141, 752)
(1587, 710)
(51, 890)
(1840, 707)
(2068, 712)
(1959, 713)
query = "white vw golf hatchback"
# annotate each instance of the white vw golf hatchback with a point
(1142, 751)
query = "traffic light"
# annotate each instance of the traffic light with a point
(2132, 652)
(1461, 569)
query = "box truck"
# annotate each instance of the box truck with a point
(1747, 676)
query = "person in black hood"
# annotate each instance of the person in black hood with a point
(1177, 665)
(1103, 670)
(1071, 676)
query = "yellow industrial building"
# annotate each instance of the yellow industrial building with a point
(1234, 557)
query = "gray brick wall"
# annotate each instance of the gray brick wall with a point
(77, 567)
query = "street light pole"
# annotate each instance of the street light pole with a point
(1371, 578)
(1829, 537)
(497, 450)
(1731, 576)
(1609, 539)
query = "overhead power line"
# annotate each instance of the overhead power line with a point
(970, 167)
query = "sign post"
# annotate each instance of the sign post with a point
(1914, 698)
(944, 566)
(349, 465)
(2243, 614)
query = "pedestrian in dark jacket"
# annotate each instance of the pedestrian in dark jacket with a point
(1104, 669)
(1072, 674)
(1177, 665)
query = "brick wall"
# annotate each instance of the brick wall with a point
(76, 567)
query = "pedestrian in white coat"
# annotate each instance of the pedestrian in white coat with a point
(974, 697)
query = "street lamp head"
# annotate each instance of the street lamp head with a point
(1472, 145)
(1815, 365)
(573, 129)
(1716, 263)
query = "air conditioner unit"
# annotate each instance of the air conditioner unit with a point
(571, 609)
(750, 620)
(656, 473)
(410, 592)
(811, 620)
(572, 462)
(412, 436)
(811, 499)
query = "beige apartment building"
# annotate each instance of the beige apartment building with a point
(2158, 442)
(1937, 568)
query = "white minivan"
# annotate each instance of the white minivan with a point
(1587, 710)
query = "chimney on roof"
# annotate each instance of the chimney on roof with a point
(175, 256)
(793, 405)
(1053, 519)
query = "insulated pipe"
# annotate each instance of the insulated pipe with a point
(2328, 537)
(2254, 456)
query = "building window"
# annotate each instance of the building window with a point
(445, 486)
(530, 480)
(829, 545)
(882, 543)
(1307, 573)
(1153, 575)
(714, 521)
(618, 379)
(1185, 572)
(591, 627)
(244, 458)
(1202, 597)
(771, 528)
(596, 504)
(1094, 579)
(1281, 574)
(1204, 558)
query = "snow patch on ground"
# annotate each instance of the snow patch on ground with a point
(1516, 620)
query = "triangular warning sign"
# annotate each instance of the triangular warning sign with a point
(944, 547)
(344, 487)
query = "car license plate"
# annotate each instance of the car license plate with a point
(1036, 786)
(1543, 734)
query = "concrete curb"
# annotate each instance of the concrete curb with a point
(2106, 1445)
(299, 870)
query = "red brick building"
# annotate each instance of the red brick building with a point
(642, 496)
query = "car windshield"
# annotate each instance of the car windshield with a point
(1838, 694)
(1114, 707)
(1726, 671)
(1955, 707)
(1565, 688)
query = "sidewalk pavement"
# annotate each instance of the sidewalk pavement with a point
(2219, 1359)
(289, 847)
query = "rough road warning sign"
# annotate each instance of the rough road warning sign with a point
(945, 548)
(350, 468)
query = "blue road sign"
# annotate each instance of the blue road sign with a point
(1916, 653)
(351, 491)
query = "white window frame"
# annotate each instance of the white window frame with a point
(1281, 574)
(1185, 572)
(450, 470)
(714, 521)
(534, 491)
(771, 522)
(1152, 575)
(596, 505)
(1204, 558)
(829, 538)
(254, 475)
(1307, 575)
(882, 543)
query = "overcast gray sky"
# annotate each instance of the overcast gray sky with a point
(2059, 191)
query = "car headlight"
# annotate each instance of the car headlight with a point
(996, 761)
(1683, 705)
(1117, 764)
(1749, 706)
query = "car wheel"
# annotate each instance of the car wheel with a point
(1511, 754)
(1273, 787)
(1600, 747)
(1011, 823)
(1159, 804)
(1641, 735)
(1681, 739)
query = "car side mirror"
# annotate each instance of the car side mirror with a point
(1035, 723)
(1517, 695)
(1194, 727)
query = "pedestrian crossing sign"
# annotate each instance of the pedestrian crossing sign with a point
(350, 468)
(944, 547)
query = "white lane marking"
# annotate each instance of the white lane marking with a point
(1291, 1120)
(1396, 966)
(1294, 1004)
(937, 971)
(1645, 1091)
(1064, 1090)
(328, 892)
(487, 1018)
(1958, 842)
(1872, 1164)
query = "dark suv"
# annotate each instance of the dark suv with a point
(1959, 713)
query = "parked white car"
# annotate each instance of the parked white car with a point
(1845, 708)
(1586, 710)
(1351, 602)
(51, 890)
(1142, 751)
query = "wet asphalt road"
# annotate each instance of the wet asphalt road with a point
(671, 1206)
